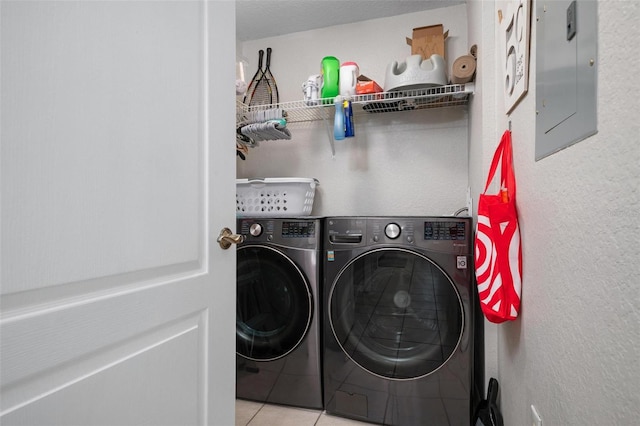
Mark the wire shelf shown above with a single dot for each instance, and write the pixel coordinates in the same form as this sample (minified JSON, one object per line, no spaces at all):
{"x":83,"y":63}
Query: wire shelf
{"x":383,"y":102}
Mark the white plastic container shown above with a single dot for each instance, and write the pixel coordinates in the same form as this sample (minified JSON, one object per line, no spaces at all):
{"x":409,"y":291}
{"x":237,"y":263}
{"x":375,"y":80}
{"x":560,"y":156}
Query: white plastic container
{"x":416,"y":73}
{"x":349,"y":73}
{"x":275,"y":197}
{"x":311,"y":89}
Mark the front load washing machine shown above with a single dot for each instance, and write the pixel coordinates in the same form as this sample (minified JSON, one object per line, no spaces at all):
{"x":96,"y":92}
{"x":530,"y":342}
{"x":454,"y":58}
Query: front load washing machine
{"x":398,"y":322}
{"x":278,"y":311}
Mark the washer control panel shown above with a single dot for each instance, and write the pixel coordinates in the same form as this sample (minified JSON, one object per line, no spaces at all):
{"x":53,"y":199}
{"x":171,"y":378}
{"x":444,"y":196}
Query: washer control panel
{"x":441,"y":233}
{"x":445,"y":230}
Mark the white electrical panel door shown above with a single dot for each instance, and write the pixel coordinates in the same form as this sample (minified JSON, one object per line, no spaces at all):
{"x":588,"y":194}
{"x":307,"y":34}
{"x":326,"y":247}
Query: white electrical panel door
{"x":566,"y":75}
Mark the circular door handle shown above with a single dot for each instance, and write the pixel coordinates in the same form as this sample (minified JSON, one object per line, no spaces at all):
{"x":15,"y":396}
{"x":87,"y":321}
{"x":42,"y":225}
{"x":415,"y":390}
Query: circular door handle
{"x":227,"y":238}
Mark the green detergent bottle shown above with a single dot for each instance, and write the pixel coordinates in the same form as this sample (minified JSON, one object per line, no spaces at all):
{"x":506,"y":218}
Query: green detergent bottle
{"x":330,"y":78}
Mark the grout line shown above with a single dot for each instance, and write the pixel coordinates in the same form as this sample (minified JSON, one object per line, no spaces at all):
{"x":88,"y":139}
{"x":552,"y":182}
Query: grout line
{"x":255,"y":414}
{"x":318,"y":419}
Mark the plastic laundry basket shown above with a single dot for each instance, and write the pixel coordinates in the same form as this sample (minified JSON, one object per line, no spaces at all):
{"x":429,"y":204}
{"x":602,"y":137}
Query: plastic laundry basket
{"x":275,"y":197}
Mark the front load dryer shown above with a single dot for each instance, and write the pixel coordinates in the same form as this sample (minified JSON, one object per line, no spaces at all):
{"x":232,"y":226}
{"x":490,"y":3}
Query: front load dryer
{"x":398,"y":322}
{"x":278,"y":311}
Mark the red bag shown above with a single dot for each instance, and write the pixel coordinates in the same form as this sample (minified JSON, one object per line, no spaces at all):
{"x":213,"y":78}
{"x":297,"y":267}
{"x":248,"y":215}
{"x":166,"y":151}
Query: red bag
{"x":498,"y":253}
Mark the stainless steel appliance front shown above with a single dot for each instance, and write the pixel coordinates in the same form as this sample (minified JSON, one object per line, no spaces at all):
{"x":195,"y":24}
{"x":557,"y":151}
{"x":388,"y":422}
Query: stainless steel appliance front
{"x":277,"y":315}
{"x":398,"y":323}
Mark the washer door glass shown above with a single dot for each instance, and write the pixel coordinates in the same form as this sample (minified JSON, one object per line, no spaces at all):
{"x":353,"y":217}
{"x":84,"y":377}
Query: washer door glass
{"x":396,"y":313}
{"x":274,"y":306}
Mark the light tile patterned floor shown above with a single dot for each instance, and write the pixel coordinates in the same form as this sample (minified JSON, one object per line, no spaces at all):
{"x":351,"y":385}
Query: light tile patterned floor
{"x":249,"y":413}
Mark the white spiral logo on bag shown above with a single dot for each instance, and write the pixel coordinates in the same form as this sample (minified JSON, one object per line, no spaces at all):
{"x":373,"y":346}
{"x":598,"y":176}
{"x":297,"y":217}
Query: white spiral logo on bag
{"x":484,"y":249}
{"x":489,"y":277}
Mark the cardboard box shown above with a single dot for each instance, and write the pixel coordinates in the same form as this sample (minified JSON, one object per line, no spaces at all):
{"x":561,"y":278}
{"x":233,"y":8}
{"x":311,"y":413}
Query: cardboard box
{"x":427,"y":41}
{"x":365,"y":85}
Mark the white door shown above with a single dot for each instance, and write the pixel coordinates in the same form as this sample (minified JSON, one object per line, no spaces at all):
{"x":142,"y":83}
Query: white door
{"x":118,"y":163}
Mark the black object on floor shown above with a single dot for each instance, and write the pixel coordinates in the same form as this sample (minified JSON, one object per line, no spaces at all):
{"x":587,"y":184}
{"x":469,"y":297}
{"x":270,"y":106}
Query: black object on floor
{"x":488,"y":413}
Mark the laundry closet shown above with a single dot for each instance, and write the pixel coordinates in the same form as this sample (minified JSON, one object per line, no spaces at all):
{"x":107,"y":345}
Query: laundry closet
{"x":422,"y":162}
{"x":413,"y":162}
{"x":384,"y":209}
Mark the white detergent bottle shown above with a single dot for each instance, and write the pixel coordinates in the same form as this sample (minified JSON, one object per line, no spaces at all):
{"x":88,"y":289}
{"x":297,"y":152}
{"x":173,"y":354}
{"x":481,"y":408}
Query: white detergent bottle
{"x":349,"y":73}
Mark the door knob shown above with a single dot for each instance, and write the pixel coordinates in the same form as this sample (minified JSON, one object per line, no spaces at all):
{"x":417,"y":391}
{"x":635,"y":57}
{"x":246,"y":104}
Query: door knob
{"x":226,"y":238}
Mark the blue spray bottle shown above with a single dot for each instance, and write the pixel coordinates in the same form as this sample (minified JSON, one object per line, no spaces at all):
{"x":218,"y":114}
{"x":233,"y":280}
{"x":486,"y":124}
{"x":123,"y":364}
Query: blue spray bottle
{"x":338,"y":120}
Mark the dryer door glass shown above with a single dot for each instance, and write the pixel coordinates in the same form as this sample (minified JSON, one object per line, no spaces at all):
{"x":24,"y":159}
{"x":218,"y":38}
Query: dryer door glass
{"x":396,"y":313}
{"x":274,"y":305}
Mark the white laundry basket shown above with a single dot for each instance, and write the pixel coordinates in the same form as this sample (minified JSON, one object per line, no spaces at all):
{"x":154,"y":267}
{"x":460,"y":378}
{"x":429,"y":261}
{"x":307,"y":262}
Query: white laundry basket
{"x":275,"y":197}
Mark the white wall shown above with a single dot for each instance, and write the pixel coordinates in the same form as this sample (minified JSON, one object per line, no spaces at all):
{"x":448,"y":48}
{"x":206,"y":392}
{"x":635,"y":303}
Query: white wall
{"x":574,"y":351}
{"x":411,"y":163}
{"x":483,"y":133}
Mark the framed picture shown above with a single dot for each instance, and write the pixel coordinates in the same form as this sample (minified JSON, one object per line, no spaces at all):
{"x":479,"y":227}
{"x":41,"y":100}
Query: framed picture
{"x":515,"y":28}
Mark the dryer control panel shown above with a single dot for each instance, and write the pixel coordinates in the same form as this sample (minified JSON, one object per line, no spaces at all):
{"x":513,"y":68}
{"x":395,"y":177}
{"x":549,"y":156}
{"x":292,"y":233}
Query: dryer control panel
{"x":298,"y":229}
{"x":295,"y":233}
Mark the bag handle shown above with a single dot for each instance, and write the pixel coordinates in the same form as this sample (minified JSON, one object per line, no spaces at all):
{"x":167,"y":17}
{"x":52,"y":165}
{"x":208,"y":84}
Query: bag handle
{"x":508,"y":178}
{"x":504,"y":155}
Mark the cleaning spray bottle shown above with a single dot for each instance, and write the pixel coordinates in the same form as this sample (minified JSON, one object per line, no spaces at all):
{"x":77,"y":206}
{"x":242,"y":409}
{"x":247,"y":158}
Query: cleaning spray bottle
{"x":339,"y":119}
{"x":349,"y":130}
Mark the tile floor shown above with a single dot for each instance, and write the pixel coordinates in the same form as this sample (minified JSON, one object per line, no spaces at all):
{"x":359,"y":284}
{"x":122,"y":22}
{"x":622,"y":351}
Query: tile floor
{"x":249,"y":413}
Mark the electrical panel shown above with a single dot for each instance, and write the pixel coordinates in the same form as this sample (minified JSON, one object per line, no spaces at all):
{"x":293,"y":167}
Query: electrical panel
{"x":566,"y":74}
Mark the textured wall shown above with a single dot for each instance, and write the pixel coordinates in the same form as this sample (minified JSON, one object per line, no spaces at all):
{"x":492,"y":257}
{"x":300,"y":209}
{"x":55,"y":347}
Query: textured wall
{"x":574,"y":351}
{"x":411,"y":163}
